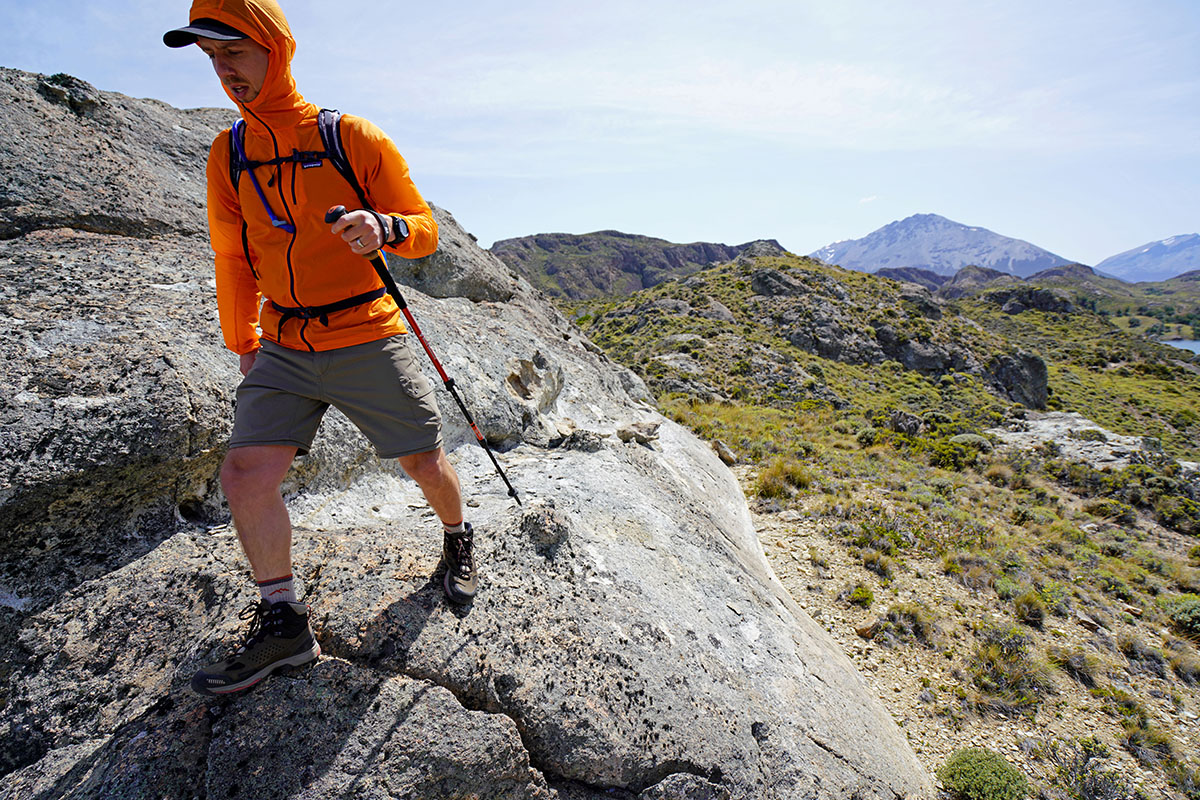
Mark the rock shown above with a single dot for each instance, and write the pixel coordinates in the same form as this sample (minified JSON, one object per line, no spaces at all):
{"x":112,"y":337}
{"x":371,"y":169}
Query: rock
{"x":906,"y":423}
{"x":868,"y":629}
{"x":629,"y":636}
{"x":459,"y":268}
{"x":725,"y":453}
{"x":640,"y":432}
{"x":1022,"y":376}
{"x":100,"y":161}
{"x":772,"y":282}
{"x":1016,"y":299}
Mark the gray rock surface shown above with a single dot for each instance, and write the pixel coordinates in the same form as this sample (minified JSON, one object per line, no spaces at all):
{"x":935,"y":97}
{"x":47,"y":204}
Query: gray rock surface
{"x":629,"y":640}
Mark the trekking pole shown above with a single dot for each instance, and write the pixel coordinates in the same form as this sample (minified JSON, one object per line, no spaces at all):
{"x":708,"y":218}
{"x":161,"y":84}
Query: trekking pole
{"x":377,"y":261}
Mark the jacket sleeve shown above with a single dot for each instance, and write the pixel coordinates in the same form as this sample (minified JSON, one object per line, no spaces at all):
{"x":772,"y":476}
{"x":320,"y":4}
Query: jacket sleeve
{"x":384,"y":176}
{"x":237,"y":291}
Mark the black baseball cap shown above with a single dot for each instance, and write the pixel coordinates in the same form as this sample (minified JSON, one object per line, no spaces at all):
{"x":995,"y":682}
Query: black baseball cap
{"x":208,"y":28}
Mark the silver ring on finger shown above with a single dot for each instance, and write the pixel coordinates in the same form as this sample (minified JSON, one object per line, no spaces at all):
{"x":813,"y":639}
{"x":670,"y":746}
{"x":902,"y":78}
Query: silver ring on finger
{"x":359,"y":242}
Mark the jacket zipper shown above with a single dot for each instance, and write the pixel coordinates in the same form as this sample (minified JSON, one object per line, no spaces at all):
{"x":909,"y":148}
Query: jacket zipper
{"x":287,"y":210}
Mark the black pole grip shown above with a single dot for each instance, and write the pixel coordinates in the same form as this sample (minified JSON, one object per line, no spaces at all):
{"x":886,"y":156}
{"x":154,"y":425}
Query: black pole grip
{"x":334,"y":214}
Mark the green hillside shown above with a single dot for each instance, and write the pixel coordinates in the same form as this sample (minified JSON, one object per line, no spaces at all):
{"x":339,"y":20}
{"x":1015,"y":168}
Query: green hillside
{"x":1045,"y":606}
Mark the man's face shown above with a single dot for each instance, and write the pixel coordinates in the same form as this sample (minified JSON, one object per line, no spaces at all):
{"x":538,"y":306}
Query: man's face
{"x":241,"y":65}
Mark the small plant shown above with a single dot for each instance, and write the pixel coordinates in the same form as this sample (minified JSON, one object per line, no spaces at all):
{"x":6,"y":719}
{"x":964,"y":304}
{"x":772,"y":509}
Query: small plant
{"x":1142,"y":658}
{"x":907,"y":622}
{"x":880,"y":564}
{"x":1030,"y":609}
{"x":861,"y":596}
{"x":1008,"y":680}
{"x":1077,"y":663}
{"x":1007,"y":588}
{"x":1184,"y":611}
{"x":974,"y":773}
{"x":1083,"y":773}
{"x":998,"y":474}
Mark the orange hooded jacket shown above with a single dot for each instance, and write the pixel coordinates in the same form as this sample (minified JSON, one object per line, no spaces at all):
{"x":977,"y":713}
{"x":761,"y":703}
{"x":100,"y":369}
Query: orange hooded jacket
{"x":311,"y":267}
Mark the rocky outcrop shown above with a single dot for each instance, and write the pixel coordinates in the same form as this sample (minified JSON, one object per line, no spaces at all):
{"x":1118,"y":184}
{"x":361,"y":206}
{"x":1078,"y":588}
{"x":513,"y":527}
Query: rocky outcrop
{"x":1017,"y":299}
{"x":1023,"y":376}
{"x":971,"y":280}
{"x":629,"y":640}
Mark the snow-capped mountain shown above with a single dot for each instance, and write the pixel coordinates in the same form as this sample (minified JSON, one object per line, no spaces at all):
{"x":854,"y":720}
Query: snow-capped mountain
{"x":1156,"y":261}
{"x":932,"y":242}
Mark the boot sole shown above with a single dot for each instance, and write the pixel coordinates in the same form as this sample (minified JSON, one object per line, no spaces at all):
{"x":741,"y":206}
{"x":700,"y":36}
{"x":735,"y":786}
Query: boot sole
{"x":282,"y":665}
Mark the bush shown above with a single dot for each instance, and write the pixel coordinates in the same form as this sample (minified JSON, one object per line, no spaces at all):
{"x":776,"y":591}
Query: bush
{"x":1184,"y":611}
{"x":1081,"y":771}
{"x":1030,"y":609}
{"x":975,"y":773}
{"x":1107,"y":508}
{"x":862,"y":596}
{"x":1077,"y":663}
{"x":1008,"y":680}
{"x":781,"y":479}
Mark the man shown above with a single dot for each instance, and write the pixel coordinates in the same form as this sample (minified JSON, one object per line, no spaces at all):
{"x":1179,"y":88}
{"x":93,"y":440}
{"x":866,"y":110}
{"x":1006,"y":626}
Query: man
{"x":308,"y":317}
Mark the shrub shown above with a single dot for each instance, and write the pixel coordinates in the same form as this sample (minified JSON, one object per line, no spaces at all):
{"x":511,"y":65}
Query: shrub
{"x":1178,"y":512}
{"x":1008,"y":680}
{"x":1081,"y":771}
{"x":1056,"y":596}
{"x":1007,"y":588}
{"x":1107,"y":508}
{"x":998,"y":474}
{"x":907,"y":622}
{"x":1030,"y":609}
{"x":1184,"y":611}
{"x":1079,"y":664}
{"x":1194,"y":554}
{"x":974,"y":773}
{"x":862,"y":596}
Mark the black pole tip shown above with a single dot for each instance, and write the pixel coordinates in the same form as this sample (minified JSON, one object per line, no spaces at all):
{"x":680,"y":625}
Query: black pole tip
{"x":334,"y":214}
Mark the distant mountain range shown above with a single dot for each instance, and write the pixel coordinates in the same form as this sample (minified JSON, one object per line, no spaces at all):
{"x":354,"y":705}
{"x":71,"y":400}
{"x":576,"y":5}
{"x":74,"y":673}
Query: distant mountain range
{"x":940,"y":245}
{"x":611,"y":263}
{"x":1155,"y":261}
{"x":925,"y":249}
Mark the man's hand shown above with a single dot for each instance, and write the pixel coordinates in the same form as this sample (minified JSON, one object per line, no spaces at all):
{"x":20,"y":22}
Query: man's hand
{"x":247,"y":361}
{"x":359,"y":229}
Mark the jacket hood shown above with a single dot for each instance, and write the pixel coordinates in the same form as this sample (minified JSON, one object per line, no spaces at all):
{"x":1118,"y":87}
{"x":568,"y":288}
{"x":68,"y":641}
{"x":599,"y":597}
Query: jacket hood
{"x":264,"y":22}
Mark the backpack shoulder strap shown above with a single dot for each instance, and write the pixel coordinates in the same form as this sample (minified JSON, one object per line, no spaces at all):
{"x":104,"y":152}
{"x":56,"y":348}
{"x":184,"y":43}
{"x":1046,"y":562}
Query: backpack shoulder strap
{"x":237,"y":165}
{"x":329,"y":124}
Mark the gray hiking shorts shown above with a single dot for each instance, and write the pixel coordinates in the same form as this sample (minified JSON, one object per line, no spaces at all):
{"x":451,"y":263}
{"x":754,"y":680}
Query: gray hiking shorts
{"x":377,"y":385}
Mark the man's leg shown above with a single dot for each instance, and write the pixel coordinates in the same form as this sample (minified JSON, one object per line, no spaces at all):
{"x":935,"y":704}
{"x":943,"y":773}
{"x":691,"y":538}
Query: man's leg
{"x":438,"y":480}
{"x":251,"y":477}
{"x":280,"y":636}
{"x":434,"y":474}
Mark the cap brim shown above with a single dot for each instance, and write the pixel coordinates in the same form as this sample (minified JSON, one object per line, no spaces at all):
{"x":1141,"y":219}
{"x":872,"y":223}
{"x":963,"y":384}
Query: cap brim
{"x":208,"y":29}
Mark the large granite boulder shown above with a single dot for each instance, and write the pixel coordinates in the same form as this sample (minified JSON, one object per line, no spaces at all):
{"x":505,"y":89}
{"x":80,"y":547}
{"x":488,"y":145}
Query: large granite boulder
{"x":629,"y":640}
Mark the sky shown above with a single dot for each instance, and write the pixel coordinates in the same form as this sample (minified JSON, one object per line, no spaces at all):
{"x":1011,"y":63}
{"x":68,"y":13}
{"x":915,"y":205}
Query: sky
{"x":1071,"y":125}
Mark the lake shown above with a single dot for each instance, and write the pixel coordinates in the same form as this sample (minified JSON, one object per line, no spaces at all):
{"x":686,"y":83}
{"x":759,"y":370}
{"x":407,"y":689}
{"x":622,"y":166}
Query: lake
{"x":1186,"y":344}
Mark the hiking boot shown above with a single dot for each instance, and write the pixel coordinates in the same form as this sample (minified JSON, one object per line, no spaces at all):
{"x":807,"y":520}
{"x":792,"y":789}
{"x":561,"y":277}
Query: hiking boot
{"x":461,"y":579}
{"x":279,"y":639}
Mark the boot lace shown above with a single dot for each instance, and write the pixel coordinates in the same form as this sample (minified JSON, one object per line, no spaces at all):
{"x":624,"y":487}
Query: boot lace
{"x":462,"y":554}
{"x":258,"y":614}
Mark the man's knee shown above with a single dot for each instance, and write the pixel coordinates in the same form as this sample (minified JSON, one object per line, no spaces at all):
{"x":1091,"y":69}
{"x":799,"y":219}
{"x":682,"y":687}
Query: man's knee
{"x":250,"y":471}
{"x":430,"y":467}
